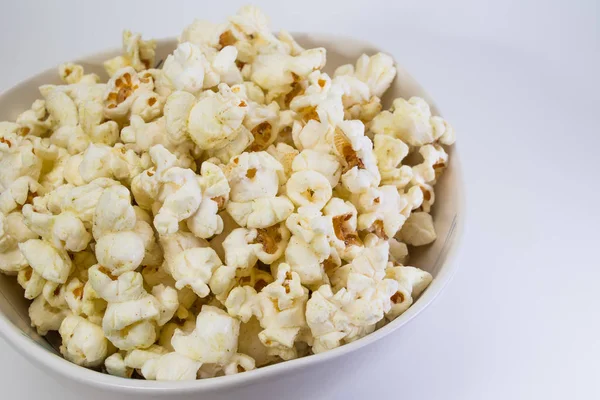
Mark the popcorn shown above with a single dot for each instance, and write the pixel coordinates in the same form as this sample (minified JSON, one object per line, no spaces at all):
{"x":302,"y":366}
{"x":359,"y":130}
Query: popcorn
{"x":326,"y":319}
{"x":286,"y":288}
{"x":282,"y":313}
{"x":320,"y":102}
{"x":80,"y":200}
{"x":215,"y":119}
{"x":286,"y":155}
{"x":273,"y":242}
{"x":262,"y":212}
{"x":206,"y":222}
{"x":44,"y":317}
{"x":177,"y":191}
{"x":140,"y":53}
{"x":254,"y":277}
{"x":242,"y":141}
{"x":263,"y":123}
{"x":434,"y":163}
{"x":254,"y":93}
{"x":239,"y":363}
{"x":168,"y":330}
{"x":62,"y":109}
{"x":181,"y":197}
{"x":83,"y":300}
{"x":323,"y":163}
{"x":17,"y":194}
{"x":36,"y":121}
{"x":241,"y":249}
{"x":54,"y":295}
{"x":344,"y":220}
{"x":222,"y":281}
{"x":222,"y":213}
{"x":74,"y":139}
{"x":136,"y":358}
{"x":418,"y":229}
{"x":32,"y":282}
{"x":177,"y":110}
{"x":251,"y":21}
{"x":194,"y":268}
{"x":377,"y":72}
{"x":411,"y":283}
{"x":53,"y":177}
{"x":176,"y":243}
{"x":381,"y":211}
{"x":243,"y":303}
{"x":344,"y":316}
{"x":49,"y":262}
{"x":202,"y":33}
{"x":224,"y":64}
{"x":83,"y":342}
{"x":148,"y":106}
{"x":70,"y":72}
{"x":275,"y":71}
{"x":127,"y":286}
{"x":121,"y":91}
{"x":101,"y":161}
{"x":309,"y":246}
{"x":132,"y":332}
{"x":17,"y":160}
{"x":293,"y":47}
{"x":253,"y":175}
{"x":137,"y":53}
{"x":171,"y":367}
{"x":398,"y":251}
{"x":13,"y":230}
{"x":363,"y":298}
{"x":62,"y":230}
{"x":114,"y":212}
{"x":360,"y":166}
{"x":185,"y":68}
{"x":370,"y":262}
{"x":357,"y":99}
{"x":168,"y":301}
{"x":115,"y":366}
{"x":422,"y":195}
{"x":132,"y":314}
{"x":213,"y":341}
{"x":118,"y":247}
{"x":308,"y":189}
{"x":390,"y":152}
{"x":412,"y":122}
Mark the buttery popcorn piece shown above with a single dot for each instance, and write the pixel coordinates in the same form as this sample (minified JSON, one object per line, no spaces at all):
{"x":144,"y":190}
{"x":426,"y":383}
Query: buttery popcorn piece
{"x":411,"y":283}
{"x":213,"y":341}
{"x":83,"y":342}
{"x":418,"y":230}
{"x":412,"y":122}
{"x":171,"y":367}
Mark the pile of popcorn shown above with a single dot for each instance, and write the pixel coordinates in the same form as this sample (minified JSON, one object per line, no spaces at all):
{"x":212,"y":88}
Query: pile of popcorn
{"x":235,"y":208}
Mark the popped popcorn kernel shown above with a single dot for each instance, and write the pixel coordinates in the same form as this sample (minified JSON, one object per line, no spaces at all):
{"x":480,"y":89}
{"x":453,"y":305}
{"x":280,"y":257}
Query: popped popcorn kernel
{"x":345,"y":233}
{"x":268,"y":238}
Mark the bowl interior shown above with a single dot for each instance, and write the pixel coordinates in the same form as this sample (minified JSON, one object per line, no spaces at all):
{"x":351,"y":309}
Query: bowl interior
{"x":340,"y":50}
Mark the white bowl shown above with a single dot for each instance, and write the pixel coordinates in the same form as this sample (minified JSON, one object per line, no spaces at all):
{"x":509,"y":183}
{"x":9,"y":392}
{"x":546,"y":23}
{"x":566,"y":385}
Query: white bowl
{"x":448,"y":213}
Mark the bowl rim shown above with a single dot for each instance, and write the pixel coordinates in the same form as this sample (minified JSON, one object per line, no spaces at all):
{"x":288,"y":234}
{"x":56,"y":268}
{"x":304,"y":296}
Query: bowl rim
{"x":44,"y":359}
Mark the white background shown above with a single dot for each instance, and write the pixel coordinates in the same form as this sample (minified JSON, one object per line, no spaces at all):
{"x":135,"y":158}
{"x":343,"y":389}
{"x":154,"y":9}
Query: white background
{"x":519,"y":81}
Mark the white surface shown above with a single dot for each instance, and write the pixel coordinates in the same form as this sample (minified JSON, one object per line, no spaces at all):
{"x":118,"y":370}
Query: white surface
{"x":518,"y":81}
